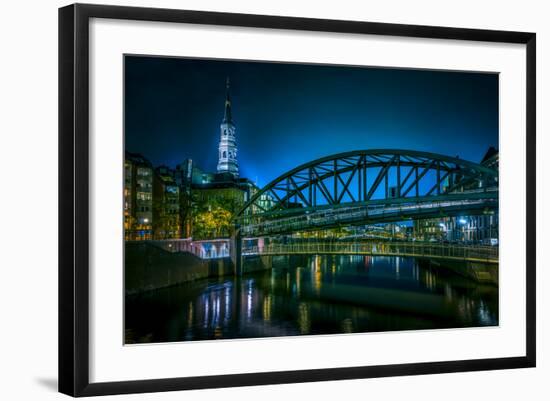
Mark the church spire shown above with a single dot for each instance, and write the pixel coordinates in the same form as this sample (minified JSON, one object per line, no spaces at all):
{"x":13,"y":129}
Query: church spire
{"x":227,"y":114}
{"x":227,"y":149}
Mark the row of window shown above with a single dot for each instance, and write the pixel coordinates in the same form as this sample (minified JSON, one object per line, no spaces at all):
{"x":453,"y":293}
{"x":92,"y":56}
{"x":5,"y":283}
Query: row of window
{"x":143,"y":172}
{"x":144,"y":196}
{"x":232,"y":155}
{"x":144,"y":184}
{"x":226,"y":132}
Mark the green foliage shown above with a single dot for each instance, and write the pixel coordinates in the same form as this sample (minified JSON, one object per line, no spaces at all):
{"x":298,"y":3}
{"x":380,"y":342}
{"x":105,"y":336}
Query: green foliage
{"x":215,"y":219}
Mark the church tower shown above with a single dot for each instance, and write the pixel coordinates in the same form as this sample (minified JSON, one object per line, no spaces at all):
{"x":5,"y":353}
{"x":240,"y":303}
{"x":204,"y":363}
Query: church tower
{"x":227,"y":159}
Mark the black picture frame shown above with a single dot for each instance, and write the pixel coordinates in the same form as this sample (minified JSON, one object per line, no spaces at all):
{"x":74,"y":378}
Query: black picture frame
{"x":74,"y":198}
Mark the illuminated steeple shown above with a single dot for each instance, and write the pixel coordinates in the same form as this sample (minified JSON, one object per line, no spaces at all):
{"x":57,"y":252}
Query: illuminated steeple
{"x":227,"y":158}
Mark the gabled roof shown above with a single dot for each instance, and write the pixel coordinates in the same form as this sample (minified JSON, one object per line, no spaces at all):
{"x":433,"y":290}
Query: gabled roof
{"x":491,"y":152}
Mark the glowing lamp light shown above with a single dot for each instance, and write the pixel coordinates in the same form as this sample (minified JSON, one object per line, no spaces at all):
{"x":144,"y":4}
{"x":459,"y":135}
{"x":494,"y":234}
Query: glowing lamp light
{"x":462,"y":221}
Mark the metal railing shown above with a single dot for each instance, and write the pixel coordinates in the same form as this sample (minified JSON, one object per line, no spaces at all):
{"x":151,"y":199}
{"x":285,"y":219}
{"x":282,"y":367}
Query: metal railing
{"x":485,"y":254}
{"x":220,"y":248}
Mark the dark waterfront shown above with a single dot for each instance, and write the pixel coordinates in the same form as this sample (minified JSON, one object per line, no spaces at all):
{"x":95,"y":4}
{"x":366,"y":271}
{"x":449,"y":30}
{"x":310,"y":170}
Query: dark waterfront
{"x":317,"y":295}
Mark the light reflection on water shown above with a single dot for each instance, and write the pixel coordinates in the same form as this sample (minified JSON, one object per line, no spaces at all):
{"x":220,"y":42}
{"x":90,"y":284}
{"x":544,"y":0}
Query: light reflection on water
{"x":316,"y":295}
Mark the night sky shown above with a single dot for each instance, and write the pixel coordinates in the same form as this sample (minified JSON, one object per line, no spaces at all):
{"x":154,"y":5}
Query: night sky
{"x":289,"y":114}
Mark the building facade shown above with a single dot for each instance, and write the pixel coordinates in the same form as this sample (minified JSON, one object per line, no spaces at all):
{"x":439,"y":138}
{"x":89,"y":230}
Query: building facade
{"x":138,"y":197}
{"x":166,"y":205}
{"x":183,"y":175}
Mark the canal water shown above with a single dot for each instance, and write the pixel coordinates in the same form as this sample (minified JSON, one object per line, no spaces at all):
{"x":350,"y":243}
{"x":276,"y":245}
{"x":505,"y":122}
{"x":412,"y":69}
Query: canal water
{"x":313,"y":295}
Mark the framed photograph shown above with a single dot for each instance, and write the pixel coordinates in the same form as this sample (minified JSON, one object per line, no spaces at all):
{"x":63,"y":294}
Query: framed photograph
{"x":249,"y":199}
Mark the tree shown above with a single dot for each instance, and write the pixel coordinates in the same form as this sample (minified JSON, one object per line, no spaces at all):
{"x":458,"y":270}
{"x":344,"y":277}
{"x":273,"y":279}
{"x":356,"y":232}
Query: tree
{"x":214,"y":219}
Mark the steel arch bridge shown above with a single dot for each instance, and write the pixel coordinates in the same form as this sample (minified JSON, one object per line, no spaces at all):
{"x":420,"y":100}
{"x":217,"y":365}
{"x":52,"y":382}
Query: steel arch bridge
{"x":369,"y":186}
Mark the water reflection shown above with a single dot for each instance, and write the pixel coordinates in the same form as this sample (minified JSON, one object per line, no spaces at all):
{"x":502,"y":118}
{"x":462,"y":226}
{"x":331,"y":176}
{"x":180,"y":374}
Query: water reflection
{"x":316,"y":295}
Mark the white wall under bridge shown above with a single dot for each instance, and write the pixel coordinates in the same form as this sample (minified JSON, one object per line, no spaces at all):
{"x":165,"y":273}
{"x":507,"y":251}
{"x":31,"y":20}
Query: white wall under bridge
{"x":204,"y":249}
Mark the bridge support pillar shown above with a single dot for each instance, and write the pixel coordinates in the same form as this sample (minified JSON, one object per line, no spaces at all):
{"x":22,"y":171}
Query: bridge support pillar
{"x":237,"y":254}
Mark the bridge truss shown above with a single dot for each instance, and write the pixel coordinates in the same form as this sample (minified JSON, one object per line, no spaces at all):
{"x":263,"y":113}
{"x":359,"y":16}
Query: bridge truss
{"x":369,"y":186}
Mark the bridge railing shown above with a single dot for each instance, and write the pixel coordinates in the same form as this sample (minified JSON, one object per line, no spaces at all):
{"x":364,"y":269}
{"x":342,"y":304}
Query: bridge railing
{"x":440,"y":251}
{"x":219,"y":248}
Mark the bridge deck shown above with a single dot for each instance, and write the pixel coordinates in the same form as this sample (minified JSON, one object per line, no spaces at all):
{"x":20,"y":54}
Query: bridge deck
{"x":368,"y":214}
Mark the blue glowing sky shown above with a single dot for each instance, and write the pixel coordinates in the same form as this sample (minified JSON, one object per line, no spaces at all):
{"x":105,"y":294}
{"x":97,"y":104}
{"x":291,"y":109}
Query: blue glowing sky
{"x":289,"y":114}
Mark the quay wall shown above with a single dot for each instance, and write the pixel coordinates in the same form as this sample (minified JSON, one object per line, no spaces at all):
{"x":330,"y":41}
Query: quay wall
{"x":148,"y":267}
{"x":486,"y":273}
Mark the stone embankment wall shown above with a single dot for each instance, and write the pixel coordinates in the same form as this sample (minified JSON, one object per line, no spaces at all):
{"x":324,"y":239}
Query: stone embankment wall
{"x":148,"y":267}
